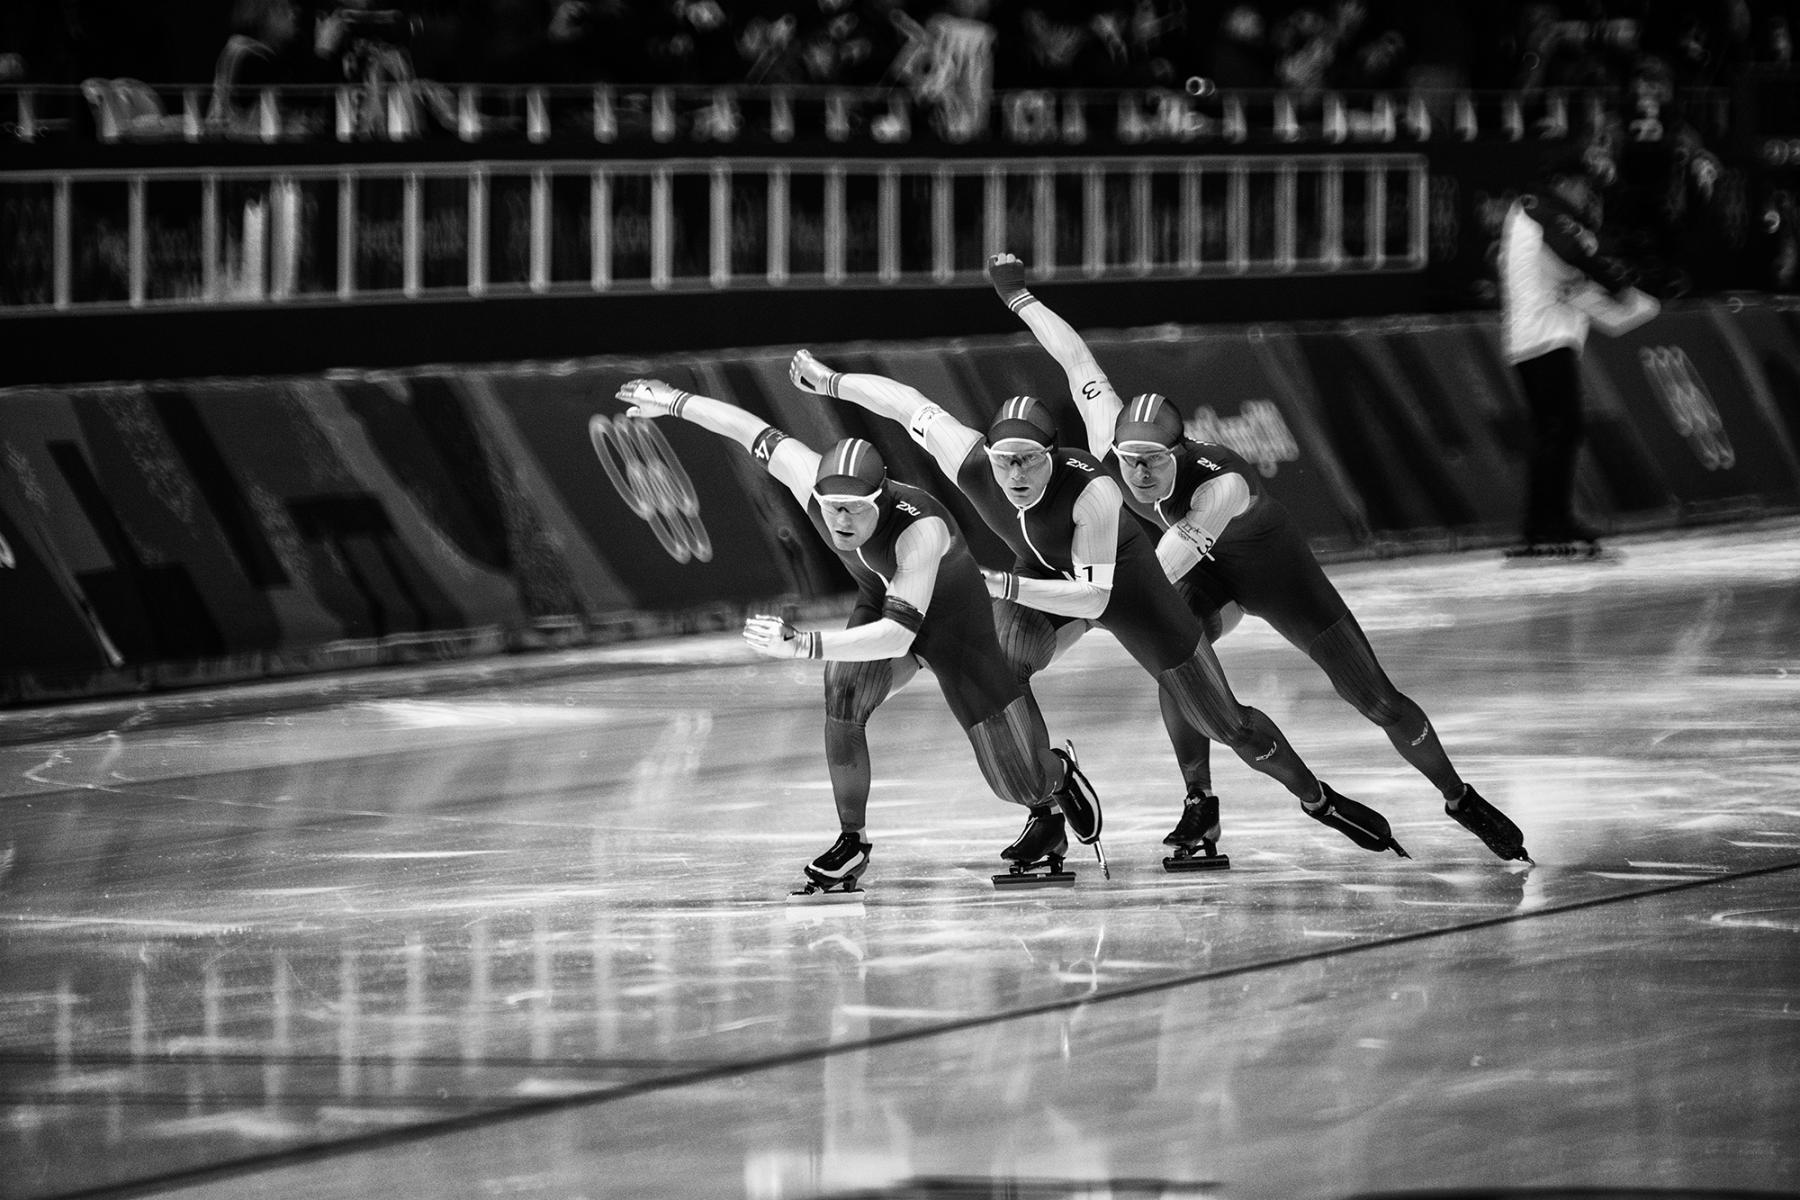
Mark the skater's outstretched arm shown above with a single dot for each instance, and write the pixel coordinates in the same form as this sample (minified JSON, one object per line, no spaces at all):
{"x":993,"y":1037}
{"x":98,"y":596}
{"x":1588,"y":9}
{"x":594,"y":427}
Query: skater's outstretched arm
{"x":1093,"y":393}
{"x":946,"y":439}
{"x":790,"y":460}
{"x":918,"y":550}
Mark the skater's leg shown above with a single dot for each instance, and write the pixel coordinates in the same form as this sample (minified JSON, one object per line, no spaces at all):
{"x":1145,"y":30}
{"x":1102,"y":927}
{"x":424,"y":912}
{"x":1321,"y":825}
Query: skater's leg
{"x":1199,"y":688}
{"x":1193,"y":749}
{"x":1015,"y":758}
{"x":853,"y":690}
{"x":1344,"y":653}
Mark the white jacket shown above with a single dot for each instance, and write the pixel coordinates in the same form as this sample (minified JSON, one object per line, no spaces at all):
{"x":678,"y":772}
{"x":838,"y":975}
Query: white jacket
{"x":1549,"y":265}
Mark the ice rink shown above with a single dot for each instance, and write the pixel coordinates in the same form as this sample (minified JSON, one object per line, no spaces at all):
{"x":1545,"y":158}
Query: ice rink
{"x":517,"y":928}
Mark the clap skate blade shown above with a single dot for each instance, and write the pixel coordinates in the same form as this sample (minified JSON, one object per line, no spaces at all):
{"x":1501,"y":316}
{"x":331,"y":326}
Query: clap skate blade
{"x":844,"y":892}
{"x":1027,"y":875}
{"x":1199,"y":856}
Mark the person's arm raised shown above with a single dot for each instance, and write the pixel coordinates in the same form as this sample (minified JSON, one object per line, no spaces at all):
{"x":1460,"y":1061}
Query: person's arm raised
{"x":1091,"y":390}
{"x":942,"y":436}
{"x":788,"y":459}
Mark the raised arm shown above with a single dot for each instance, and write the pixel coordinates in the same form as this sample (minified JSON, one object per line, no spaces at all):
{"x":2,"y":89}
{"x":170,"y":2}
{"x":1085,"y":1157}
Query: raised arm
{"x":1093,"y":393}
{"x":791,"y":461}
{"x":946,"y":439}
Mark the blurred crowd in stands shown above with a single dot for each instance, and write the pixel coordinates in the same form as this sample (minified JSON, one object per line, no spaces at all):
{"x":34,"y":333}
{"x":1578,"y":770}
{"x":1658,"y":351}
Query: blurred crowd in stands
{"x":1325,"y":44}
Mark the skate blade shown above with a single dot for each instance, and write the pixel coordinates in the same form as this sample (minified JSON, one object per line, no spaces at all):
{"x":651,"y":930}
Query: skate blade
{"x":809,"y":896}
{"x":1034,"y":879}
{"x":1197,"y":862}
{"x":1560,"y":558}
{"x":1397,"y":848}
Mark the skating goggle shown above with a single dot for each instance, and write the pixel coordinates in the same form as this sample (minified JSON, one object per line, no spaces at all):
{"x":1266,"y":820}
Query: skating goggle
{"x":856,"y":506}
{"x":1155,"y":459}
{"x":1027,"y":460}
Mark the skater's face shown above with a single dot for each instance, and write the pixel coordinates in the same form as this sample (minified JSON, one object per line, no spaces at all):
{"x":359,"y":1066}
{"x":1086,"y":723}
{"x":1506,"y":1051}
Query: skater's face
{"x":1148,"y":470}
{"x":1022,"y":469}
{"x":851,"y":519}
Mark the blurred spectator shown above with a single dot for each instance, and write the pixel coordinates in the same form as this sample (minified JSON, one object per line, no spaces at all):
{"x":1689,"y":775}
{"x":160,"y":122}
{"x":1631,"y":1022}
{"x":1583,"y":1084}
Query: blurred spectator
{"x":370,"y":47}
{"x":1308,"y":42}
{"x":596,"y":41}
{"x":255,"y":57}
{"x":1241,"y":56}
{"x":690,"y":41}
{"x":845,"y":42}
{"x":949,"y":64}
{"x":38,"y":39}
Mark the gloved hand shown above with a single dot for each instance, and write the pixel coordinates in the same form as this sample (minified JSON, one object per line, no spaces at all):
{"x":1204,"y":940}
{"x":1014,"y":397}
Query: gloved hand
{"x":773,"y":637}
{"x":810,"y":375}
{"x":651,"y":398}
{"x":1006,"y":273}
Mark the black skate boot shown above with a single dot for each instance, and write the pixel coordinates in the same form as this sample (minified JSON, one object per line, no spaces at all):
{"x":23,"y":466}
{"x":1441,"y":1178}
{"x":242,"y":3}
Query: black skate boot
{"x":1080,"y":805}
{"x":1358,"y":822}
{"x":1196,"y":837}
{"x":831,"y":877}
{"x":1037,"y":853}
{"x":1488,"y":823}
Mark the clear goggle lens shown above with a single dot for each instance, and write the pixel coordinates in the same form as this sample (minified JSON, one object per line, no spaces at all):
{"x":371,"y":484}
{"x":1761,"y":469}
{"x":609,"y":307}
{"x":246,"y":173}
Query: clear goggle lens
{"x":854,"y":505}
{"x":1029,"y":460}
{"x":1153,"y":459}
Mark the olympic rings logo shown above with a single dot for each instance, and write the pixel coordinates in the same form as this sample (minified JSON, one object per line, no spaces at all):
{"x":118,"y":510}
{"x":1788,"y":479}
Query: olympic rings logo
{"x":653,"y":483}
{"x":1690,"y":406}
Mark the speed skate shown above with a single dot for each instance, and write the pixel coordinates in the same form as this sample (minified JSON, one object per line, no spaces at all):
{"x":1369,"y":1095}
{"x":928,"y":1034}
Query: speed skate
{"x":1195,"y":837}
{"x":1035,"y":859}
{"x":1044,"y":872}
{"x":831,"y":877}
{"x":844,"y":892}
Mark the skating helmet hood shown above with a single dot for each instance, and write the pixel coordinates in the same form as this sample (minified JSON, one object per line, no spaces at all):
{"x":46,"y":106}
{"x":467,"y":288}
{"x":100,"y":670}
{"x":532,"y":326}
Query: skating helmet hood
{"x":853,"y":467}
{"x":1150,"y":421}
{"x":1023,"y":419}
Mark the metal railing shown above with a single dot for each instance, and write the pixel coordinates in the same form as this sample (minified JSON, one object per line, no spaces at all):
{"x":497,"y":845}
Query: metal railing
{"x":172,"y":237}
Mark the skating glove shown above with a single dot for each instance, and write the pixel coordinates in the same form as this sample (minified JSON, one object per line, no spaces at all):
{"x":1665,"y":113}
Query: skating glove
{"x":1007,"y":274}
{"x":773,"y":637}
{"x":810,"y":375}
{"x":652,"y":398}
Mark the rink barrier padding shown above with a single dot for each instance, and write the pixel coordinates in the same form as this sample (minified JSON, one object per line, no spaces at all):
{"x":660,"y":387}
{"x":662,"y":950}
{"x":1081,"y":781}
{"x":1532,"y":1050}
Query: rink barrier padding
{"x":156,"y":535}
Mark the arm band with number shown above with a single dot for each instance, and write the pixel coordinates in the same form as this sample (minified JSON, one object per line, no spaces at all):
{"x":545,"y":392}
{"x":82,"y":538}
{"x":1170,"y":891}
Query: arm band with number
{"x":763,"y":447}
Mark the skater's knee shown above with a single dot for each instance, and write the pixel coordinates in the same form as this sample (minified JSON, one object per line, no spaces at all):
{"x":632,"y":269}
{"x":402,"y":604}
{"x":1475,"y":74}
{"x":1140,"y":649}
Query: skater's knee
{"x":1027,"y":639}
{"x":1385,"y":707}
{"x":854,"y":690}
{"x":1344,"y":653}
{"x":1008,"y":759}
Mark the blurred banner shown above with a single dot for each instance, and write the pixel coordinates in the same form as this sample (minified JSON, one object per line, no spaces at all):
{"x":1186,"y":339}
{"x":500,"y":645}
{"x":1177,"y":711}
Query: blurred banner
{"x":156,"y":535}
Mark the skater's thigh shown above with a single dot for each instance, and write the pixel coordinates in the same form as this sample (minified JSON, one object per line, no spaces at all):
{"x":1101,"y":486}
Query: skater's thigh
{"x":962,"y":648}
{"x":1275,"y":577}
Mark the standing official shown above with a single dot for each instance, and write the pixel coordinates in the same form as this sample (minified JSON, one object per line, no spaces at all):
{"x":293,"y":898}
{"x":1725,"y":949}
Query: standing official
{"x":1554,"y":286}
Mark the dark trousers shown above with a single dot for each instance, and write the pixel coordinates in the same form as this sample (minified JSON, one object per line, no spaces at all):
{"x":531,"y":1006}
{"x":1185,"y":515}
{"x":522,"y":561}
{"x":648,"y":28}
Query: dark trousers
{"x":1552,"y":384}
